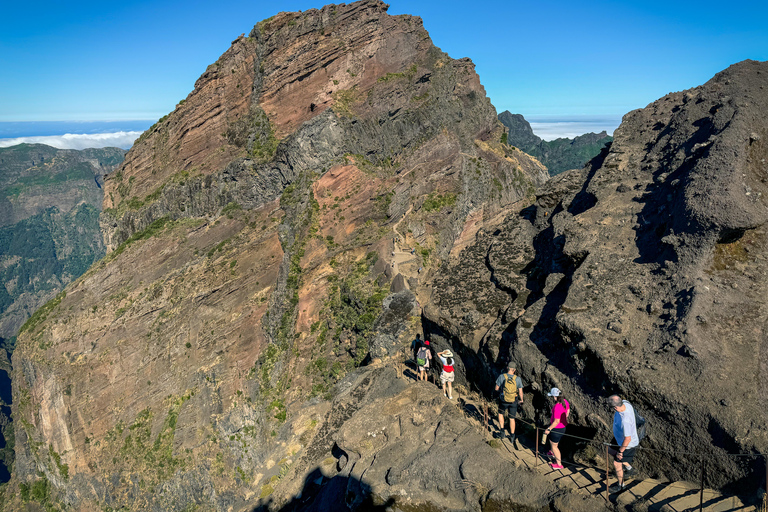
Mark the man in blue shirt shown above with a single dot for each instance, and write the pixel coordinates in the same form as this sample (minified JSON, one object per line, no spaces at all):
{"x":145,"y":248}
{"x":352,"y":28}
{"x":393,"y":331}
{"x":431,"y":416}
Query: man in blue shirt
{"x":510,"y":398}
{"x":625,"y":433}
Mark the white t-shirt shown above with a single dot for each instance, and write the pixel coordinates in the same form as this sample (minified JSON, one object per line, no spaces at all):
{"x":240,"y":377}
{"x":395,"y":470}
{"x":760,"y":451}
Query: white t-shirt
{"x":624,"y":425}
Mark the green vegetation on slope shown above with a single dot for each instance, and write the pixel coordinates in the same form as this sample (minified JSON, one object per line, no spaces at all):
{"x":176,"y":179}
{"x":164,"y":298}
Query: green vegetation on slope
{"x":47,"y":250}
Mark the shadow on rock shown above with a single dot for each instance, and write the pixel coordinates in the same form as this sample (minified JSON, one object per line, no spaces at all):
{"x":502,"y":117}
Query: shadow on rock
{"x":340,"y":493}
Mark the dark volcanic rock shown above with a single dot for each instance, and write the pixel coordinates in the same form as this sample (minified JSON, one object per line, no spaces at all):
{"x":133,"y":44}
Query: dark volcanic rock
{"x":642,"y":274}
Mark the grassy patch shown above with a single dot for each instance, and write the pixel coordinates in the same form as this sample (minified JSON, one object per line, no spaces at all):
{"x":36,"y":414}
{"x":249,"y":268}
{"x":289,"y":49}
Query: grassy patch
{"x":435,"y":202}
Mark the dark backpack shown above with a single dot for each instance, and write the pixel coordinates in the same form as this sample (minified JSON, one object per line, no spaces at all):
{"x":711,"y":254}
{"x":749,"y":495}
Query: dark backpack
{"x":639,"y":425}
{"x":421,"y":356}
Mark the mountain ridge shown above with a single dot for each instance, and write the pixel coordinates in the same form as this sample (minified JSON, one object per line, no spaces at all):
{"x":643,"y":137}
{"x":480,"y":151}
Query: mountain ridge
{"x":557,"y":155}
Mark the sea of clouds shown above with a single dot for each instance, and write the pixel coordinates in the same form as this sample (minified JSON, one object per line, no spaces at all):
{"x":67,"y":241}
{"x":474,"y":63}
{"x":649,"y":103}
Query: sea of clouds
{"x":551,"y":128}
{"x":119,"y":139}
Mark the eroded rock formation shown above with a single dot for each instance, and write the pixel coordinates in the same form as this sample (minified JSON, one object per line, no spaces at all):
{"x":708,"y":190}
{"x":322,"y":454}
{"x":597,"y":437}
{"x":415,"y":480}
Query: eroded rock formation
{"x":642,"y":274}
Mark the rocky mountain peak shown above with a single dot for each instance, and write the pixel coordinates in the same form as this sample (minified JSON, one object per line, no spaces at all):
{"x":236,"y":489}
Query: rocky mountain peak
{"x":268,"y":240}
{"x":298,"y":93}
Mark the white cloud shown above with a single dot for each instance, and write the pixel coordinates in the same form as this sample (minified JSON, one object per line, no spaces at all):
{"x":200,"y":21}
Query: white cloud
{"x":551,"y":130}
{"x":78,"y":141}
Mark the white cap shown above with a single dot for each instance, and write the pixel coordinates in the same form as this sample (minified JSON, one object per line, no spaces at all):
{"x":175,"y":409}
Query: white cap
{"x":554,"y":392}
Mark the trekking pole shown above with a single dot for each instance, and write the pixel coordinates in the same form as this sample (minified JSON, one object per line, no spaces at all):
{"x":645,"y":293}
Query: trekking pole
{"x":607,"y":501}
{"x":701,"y":493}
{"x":536,"y":442}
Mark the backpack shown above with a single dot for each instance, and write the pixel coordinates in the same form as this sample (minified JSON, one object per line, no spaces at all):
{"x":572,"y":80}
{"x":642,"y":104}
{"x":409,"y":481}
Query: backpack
{"x":421,"y":356}
{"x":510,"y":388}
{"x":639,"y":425}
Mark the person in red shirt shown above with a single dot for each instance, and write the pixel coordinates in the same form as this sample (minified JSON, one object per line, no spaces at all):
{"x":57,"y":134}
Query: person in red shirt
{"x":446,"y":376}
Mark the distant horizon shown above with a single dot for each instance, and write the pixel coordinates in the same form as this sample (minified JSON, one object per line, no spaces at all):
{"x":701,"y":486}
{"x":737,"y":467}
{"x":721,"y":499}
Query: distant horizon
{"x":566,"y":58}
{"x":123,"y":133}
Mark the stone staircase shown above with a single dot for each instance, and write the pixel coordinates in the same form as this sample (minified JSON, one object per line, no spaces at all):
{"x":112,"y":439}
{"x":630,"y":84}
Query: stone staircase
{"x":654,"y":494}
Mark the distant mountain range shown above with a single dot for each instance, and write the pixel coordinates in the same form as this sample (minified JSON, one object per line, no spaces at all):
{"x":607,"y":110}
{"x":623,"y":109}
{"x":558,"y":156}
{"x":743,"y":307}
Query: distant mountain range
{"x":558,"y":155}
{"x":50,"y":201}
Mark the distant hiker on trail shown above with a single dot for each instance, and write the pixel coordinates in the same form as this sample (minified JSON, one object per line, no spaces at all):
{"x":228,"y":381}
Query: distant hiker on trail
{"x":446,"y":376}
{"x":416,"y":345}
{"x":558,"y":422}
{"x":423,"y":356}
{"x":510,"y":398}
{"x":625,"y":433}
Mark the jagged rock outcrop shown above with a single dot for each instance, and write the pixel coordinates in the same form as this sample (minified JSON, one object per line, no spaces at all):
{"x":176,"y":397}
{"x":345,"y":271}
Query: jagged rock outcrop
{"x":251,"y":236}
{"x":642,"y":274}
{"x":557,"y":155}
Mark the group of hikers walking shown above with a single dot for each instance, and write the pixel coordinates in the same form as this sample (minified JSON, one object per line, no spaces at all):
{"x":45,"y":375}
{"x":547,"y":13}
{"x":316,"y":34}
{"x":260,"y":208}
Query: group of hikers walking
{"x":509,"y":388}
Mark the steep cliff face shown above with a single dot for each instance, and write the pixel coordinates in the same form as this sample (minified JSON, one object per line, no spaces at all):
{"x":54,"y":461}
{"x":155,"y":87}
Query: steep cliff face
{"x":251,"y":264}
{"x":643,"y":274}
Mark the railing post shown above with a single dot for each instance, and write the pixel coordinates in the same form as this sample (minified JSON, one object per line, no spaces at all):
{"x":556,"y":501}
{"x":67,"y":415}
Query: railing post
{"x":536,"y":442}
{"x":701,"y":493}
{"x":606,"y":474}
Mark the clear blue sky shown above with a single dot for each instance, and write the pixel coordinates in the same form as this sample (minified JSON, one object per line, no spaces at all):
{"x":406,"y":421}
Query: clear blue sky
{"x":84,"y":60}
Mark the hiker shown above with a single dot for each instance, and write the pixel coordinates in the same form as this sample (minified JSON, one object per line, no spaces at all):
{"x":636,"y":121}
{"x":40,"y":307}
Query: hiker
{"x":510,"y":398}
{"x":446,"y":376}
{"x":416,"y":345}
{"x":423,"y":356}
{"x":625,"y":433}
{"x":558,"y":422}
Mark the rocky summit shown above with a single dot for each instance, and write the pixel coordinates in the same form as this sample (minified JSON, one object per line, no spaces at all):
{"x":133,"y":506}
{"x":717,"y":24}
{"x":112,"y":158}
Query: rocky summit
{"x":336,"y":184}
{"x":642,"y":274}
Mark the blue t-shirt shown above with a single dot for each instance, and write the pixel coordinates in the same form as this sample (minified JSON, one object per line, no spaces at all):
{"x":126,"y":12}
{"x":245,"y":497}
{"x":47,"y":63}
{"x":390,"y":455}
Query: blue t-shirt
{"x":624,"y":426}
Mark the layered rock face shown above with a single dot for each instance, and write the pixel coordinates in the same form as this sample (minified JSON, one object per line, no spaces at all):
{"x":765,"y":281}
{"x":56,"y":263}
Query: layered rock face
{"x":261,"y":114}
{"x":643,"y":274}
{"x":251,"y":252}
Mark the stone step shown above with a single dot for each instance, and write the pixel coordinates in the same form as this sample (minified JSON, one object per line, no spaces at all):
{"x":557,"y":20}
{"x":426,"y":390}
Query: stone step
{"x":659,"y":496}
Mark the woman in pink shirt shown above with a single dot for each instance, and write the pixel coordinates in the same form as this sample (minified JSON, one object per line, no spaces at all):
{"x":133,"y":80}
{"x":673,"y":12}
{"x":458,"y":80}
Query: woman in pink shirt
{"x":556,"y":429}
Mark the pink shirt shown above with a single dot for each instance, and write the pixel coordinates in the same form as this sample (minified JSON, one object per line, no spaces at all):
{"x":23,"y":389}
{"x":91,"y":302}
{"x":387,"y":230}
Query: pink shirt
{"x":558,"y":412}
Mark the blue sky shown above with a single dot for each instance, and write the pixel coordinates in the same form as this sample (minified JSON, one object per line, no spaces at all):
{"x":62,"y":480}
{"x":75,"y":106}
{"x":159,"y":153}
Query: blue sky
{"x":85,"y":60}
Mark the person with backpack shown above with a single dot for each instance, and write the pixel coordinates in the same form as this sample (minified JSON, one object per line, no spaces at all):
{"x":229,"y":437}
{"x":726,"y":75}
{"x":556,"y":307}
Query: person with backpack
{"x":447,"y":375}
{"x":416,"y":345}
{"x":558,"y":422}
{"x":510,"y":398}
{"x":625,"y":433}
{"x":423,"y":356}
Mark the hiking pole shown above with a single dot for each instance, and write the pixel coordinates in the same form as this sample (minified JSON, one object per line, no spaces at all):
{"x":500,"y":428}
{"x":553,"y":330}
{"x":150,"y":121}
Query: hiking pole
{"x":607,"y":501}
{"x":536,"y":442}
{"x":701,"y":493}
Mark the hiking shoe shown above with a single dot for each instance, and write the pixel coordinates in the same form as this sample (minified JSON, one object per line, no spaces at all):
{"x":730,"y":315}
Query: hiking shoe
{"x":630,"y":472}
{"x":513,"y":440}
{"x":550,"y":454}
{"x":617,"y":487}
{"x":557,"y":466}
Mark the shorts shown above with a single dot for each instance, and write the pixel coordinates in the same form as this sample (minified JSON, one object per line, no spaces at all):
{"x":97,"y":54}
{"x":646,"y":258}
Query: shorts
{"x":446,"y":377}
{"x":510,"y":408}
{"x":424,"y":368}
{"x":628,"y":456}
{"x":556,"y":434}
